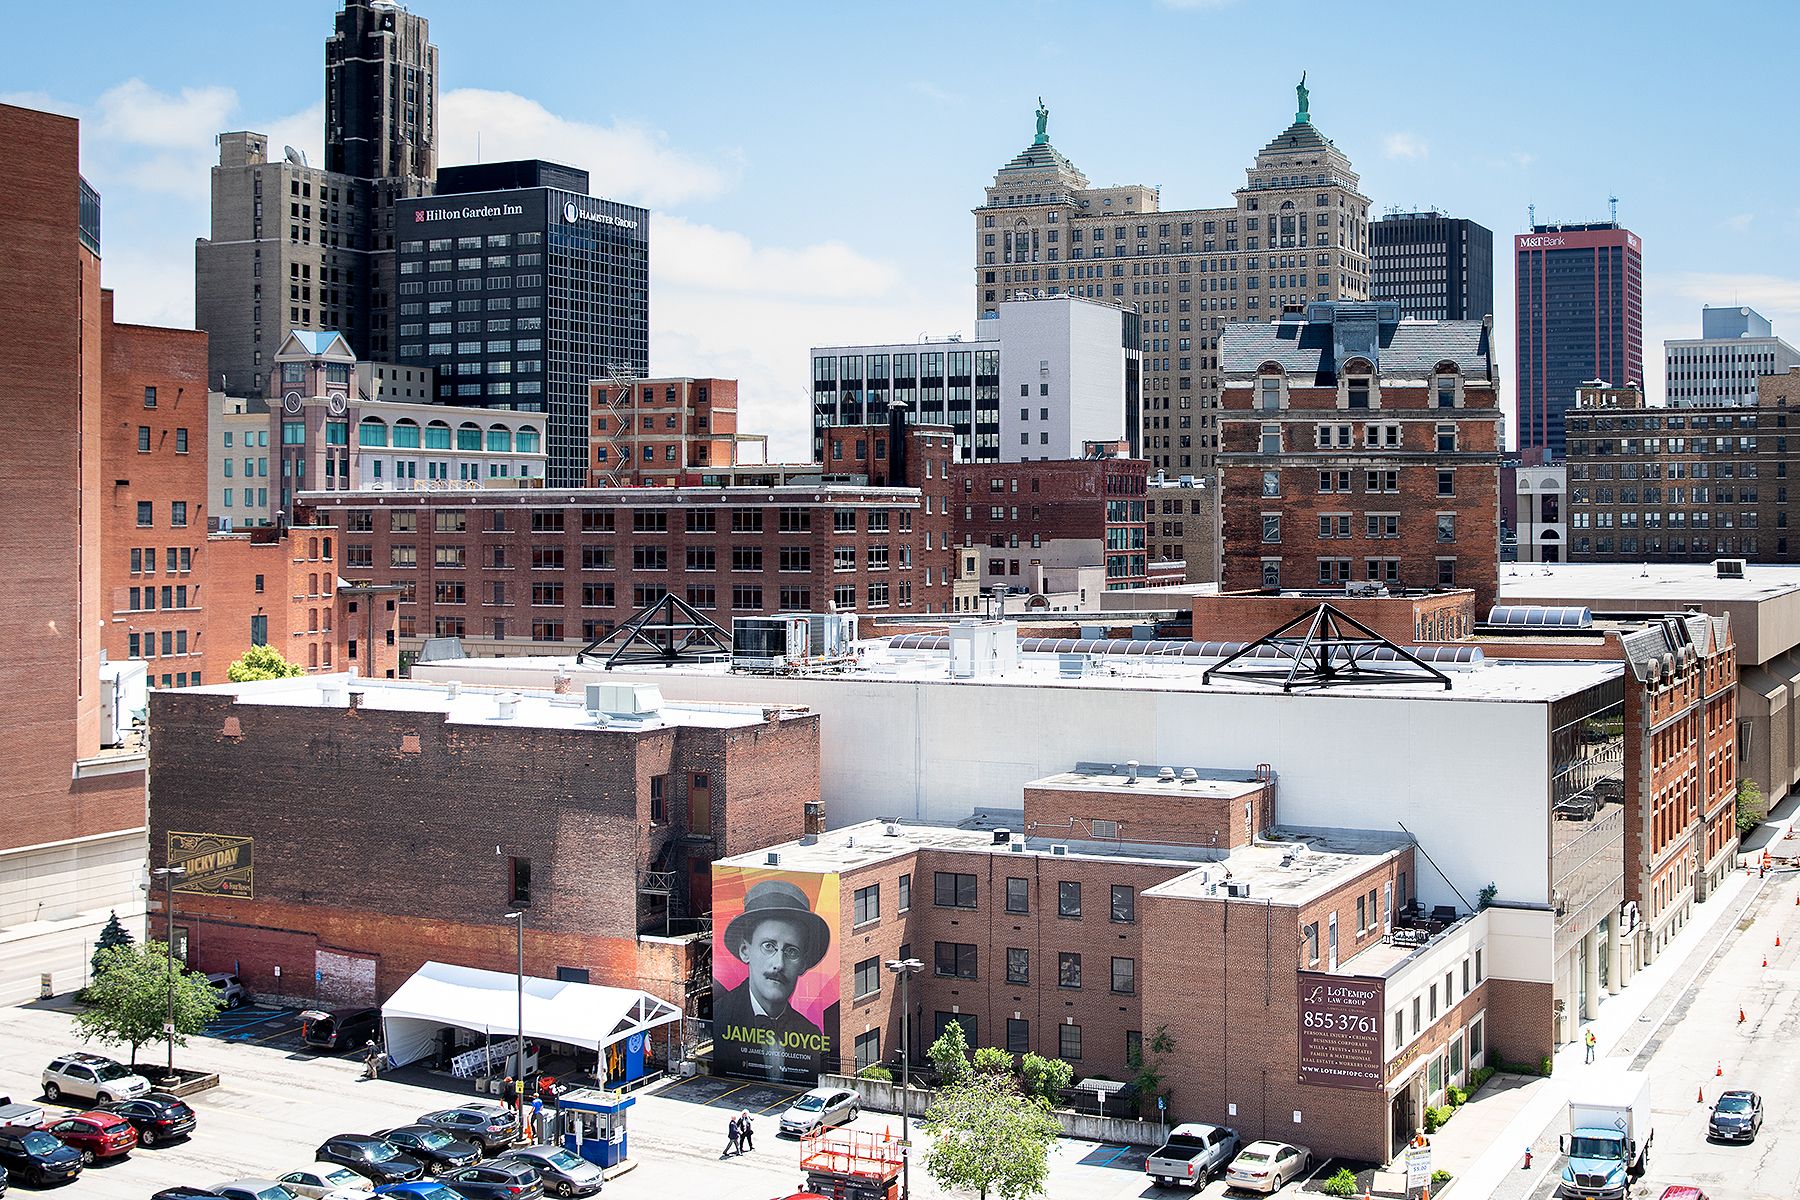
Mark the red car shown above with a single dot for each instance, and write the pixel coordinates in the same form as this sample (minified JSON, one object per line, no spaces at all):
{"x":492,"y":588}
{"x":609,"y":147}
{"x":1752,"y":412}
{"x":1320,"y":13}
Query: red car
{"x":96,"y":1134}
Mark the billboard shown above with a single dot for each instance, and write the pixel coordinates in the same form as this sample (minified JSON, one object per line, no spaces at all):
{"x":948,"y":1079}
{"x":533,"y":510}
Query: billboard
{"x":775,"y":974}
{"x":1340,"y":1030}
{"x":216,"y":864}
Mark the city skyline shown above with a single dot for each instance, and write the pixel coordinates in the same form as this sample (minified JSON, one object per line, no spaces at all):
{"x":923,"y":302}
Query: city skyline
{"x":832,"y":204}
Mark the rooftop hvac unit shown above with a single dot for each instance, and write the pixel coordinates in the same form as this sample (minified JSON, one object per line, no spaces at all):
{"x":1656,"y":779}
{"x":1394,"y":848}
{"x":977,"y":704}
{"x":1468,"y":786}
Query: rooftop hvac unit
{"x":1058,"y":850}
{"x":1072,"y":666}
{"x":1729,"y":568}
{"x":787,"y":641}
{"x":1238,"y":890}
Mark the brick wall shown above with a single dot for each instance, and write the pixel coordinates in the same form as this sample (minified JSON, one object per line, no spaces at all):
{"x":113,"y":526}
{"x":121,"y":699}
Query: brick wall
{"x":1053,"y":514}
{"x":1151,"y":812}
{"x":1407,"y":620}
{"x":1521,"y":1020}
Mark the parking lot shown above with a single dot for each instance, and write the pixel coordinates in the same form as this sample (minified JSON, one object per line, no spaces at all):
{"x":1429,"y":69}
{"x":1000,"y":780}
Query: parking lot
{"x":276,"y":1103}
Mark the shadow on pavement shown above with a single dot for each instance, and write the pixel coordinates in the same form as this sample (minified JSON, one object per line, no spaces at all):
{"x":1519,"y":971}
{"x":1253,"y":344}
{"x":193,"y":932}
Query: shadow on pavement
{"x":719,"y":1092}
{"x":1118,"y":1157}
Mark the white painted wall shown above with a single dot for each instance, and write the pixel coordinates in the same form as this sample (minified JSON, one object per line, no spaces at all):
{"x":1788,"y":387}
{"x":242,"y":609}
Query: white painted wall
{"x":1074,"y":347}
{"x":55,"y":899}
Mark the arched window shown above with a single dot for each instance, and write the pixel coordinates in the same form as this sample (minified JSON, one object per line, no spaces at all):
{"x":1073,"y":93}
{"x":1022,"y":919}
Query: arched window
{"x":1288,"y":221}
{"x":312,"y":584}
{"x":437,"y":436}
{"x":528,"y":441}
{"x":1359,"y":390}
{"x":499,"y":439}
{"x":372,"y":432}
{"x":468,"y":436}
{"x":312,"y":620}
{"x":1446,"y":385}
{"x":1271,"y":386}
{"x":312,"y":547}
{"x":406,"y":435}
{"x":327,"y":554}
{"x":312,"y":655}
{"x":325,"y":617}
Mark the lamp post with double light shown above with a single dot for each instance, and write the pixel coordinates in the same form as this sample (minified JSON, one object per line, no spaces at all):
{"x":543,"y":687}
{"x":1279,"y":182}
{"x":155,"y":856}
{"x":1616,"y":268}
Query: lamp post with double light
{"x":905,"y":968}
{"x":168,"y":875}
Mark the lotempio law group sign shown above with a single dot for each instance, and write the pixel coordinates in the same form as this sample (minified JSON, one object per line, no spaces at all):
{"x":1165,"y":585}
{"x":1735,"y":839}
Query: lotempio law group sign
{"x":213,"y":864}
{"x":1340,"y":1030}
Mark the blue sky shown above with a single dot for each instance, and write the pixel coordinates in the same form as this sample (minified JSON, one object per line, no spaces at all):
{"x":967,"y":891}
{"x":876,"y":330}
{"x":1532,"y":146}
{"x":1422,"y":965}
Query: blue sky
{"x":811,"y":166}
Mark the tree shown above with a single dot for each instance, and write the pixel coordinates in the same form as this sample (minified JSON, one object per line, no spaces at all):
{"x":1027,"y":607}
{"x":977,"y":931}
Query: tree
{"x":113,"y":934}
{"x":262,"y":662}
{"x":986,"y":1137}
{"x":1147,"y":1062}
{"x":991,"y":1060}
{"x":950,"y":1055}
{"x":129,"y":998}
{"x":1751,"y":808}
{"x":1045,"y":1078}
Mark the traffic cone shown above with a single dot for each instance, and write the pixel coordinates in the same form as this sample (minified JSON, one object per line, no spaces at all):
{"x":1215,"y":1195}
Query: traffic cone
{"x":1718,"y":1068}
{"x":1778,"y":941}
{"x":1700,"y":1095}
{"x":1740,"y":1016}
{"x":1765,"y":960}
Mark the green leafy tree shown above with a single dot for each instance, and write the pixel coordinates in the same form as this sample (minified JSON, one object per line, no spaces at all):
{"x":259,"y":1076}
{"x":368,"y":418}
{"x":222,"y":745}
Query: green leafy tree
{"x":1045,"y":1078}
{"x":991,"y":1060}
{"x":1147,"y":1067}
{"x":129,"y":998}
{"x":112,"y":934}
{"x":987,"y":1137}
{"x":262,"y":662}
{"x":1751,"y":808}
{"x":950,"y":1055}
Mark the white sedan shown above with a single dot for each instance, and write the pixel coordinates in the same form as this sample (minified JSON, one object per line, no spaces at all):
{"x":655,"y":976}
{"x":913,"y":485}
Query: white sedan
{"x":326,"y":1181}
{"x":1267,"y":1166}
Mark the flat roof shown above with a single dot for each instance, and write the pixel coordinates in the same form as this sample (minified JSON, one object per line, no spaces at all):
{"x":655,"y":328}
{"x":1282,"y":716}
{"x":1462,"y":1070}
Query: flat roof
{"x":1668,"y":584}
{"x":1288,"y":864}
{"x":1526,"y":681}
{"x":467,"y":705}
{"x":1209,"y":782}
{"x":543,"y":497}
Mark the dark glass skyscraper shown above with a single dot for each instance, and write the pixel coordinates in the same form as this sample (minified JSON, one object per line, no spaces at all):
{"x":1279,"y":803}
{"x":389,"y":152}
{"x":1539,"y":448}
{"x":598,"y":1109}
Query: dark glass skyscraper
{"x":1436,"y":268}
{"x":1580,"y":295}
{"x":519,"y":297}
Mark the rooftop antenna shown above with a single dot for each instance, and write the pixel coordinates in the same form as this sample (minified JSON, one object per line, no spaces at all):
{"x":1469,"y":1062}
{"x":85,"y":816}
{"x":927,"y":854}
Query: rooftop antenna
{"x":1612,"y":202}
{"x":1531,"y":215}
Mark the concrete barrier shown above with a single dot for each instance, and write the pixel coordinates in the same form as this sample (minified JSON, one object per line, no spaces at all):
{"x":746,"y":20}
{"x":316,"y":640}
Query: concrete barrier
{"x":880,"y":1096}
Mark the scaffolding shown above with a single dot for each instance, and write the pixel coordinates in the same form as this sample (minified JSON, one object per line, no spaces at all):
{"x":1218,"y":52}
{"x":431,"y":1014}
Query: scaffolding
{"x":845,"y":1164}
{"x":1327,"y":654}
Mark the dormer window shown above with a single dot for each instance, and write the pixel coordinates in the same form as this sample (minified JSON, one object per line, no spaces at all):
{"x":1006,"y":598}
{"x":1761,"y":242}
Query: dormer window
{"x":1269,"y":388}
{"x":1357,"y":391}
{"x":1445,"y":392}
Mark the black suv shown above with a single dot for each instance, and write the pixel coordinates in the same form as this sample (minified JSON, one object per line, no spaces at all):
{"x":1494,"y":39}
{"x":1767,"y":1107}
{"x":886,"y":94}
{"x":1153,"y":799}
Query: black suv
{"x":371,"y":1158}
{"x":158,"y":1117}
{"x":488,"y":1125}
{"x":35,"y":1155}
{"x":502,"y":1179}
{"x":437,"y":1149}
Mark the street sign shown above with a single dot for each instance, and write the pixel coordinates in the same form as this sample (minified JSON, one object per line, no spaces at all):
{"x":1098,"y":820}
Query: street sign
{"x":168,"y":1029}
{"x":1418,"y":1166}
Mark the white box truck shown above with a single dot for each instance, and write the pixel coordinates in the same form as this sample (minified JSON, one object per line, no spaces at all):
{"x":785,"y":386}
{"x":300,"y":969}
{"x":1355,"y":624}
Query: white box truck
{"x":1609,"y":1136}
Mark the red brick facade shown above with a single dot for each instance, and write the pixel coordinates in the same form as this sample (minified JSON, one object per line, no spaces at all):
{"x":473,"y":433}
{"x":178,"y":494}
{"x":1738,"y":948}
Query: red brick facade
{"x":1438,"y":617}
{"x":661,"y":431}
{"x":1076,"y":513}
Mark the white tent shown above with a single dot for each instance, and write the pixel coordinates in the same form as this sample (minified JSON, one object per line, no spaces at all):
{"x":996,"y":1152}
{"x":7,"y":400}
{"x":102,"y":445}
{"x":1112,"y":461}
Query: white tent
{"x":577,"y":1014}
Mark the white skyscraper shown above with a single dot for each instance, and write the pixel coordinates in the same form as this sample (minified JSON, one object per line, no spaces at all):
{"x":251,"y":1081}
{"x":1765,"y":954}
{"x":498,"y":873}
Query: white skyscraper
{"x":1736,"y":346}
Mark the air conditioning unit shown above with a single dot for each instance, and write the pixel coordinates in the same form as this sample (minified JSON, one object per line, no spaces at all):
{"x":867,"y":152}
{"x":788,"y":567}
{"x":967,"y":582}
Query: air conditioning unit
{"x":1238,"y":890}
{"x":788,"y":640}
{"x":1058,"y":850}
{"x":1728,"y":568}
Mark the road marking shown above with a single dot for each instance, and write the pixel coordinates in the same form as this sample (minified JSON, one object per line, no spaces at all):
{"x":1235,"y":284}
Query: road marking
{"x":1122,"y":1151}
{"x":781,"y":1103}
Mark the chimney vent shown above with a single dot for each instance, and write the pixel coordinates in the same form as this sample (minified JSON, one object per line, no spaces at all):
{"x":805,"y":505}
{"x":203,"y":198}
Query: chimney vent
{"x":507,"y":705}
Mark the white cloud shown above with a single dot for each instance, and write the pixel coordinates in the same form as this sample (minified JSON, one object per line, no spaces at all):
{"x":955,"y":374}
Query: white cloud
{"x":687,"y":254}
{"x":1404,"y":145}
{"x":1768,"y":294}
{"x":627,"y":162}
{"x":137,"y":114}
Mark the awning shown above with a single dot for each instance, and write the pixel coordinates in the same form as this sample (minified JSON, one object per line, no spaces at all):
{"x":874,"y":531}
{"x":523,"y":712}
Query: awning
{"x":576,"y":1014}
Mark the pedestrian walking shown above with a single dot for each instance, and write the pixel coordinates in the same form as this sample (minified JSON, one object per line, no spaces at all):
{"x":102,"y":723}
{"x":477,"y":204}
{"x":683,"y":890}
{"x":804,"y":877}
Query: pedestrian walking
{"x":371,"y":1061}
{"x":1592,"y":1041}
{"x":746,"y":1131}
{"x":733,"y":1136}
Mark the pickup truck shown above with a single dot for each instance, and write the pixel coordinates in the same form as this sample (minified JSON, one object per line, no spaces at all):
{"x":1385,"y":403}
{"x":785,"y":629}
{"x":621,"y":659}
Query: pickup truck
{"x":1192,"y":1155}
{"x":1609,"y":1136}
{"x":30,"y":1116}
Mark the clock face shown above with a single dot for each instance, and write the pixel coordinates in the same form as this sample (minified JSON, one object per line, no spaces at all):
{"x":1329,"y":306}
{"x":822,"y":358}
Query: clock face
{"x":291,"y":402}
{"x":337,"y":404}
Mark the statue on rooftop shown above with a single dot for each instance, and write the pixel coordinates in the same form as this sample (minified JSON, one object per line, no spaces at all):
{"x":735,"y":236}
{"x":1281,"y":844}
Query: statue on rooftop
{"x":1043,"y":124}
{"x":1301,"y":117}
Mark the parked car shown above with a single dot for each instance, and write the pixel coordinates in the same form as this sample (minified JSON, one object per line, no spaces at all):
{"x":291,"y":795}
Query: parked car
{"x":35,"y":1155}
{"x":157,"y":1117}
{"x":339,"y":1029}
{"x":1682,"y":1191}
{"x":371,"y":1158}
{"x":422,"y":1189}
{"x":183,"y":1192}
{"x":439,"y":1151}
{"x":253,"y":1189}
{"x":92,"y":1077}
{"x":20,"y":1114}
{"x":231,"y":989}
{"x":95,"y":1134}
{"x":1737,"y":1117}
{"x":820,"y":1108}
{"x":5,"y":1180}
{"x":1267,"y":1166}
{"x":564,"y":1173}
{"x":490,"y":1126}
{"x":1192,"y":1155}
{"x":497,"y":1180}
{"x":324,"y":1179}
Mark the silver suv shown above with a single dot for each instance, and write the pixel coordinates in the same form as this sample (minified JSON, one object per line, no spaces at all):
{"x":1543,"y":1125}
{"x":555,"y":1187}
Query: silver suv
{"x":92,"y":1077}
{"x":231,"y":989}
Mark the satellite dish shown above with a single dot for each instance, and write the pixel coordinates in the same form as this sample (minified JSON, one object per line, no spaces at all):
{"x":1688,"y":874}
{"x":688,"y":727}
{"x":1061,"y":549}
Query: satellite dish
{"x":296,"y":157}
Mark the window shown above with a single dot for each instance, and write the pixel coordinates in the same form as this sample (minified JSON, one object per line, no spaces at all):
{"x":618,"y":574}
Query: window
{"x":178,"y":513}
{"x":1310,"y":935}
{"x":519,"y":870}
{"x":868,"y":1049}
{"x":145,"y":514}
{"x":150,"y":398}
{"x":868,"y":978}
{"x":868,"y":904}
{"x":943,"y":1020}
{"x":1271,"y":528}
{"x":1446,"y":527}
{"x":1446,"y":483}
{"x":1068,"y":899}
{"x":1124,"y":976}
{"x":905,"y":893}
{"x":1068,"y":970}
{"x":1018,"y":895}
{"x":1068,"y":1042}
{"x":955,"y":960}
{"x":1124,"y":903}
{"x":953,"y":890}
{"x":143,"y":439}
{"x":1018,"y":1036}
{"x":181,"y":441}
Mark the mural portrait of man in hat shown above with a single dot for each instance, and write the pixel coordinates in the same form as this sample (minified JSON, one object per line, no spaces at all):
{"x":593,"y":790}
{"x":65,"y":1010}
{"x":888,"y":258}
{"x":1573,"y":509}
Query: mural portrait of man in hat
{"x":778,"y":938}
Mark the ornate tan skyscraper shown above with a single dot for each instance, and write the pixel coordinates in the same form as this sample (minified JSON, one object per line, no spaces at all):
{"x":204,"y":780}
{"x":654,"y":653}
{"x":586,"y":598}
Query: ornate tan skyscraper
{"x":1298,"y":232}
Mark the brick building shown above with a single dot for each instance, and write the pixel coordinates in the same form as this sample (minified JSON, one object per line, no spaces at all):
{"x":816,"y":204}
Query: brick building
{"x":1679,"y":484}
{"x":540,"y":569}
{"x":1132,"y":900}
{"x":602,"y":831}
{"x":1181,"y":524}
{"x":1359,"y":447}
{"x":72,"y":829}
{"x":660,"y":431}
{"x":1035,"y":524}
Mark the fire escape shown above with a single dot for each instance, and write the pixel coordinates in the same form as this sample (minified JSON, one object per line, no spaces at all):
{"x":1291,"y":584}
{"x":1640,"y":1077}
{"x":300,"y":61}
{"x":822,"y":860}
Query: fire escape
{"x":615,"y":402}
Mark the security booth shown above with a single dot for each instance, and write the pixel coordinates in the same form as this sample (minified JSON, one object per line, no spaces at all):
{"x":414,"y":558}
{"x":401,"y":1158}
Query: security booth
{"x":592,"y":1124}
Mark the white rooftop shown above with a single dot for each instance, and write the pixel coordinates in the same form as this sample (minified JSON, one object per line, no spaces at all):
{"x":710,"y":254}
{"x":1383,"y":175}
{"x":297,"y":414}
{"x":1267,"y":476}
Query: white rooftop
{"x":629,"y":708}
{"x":1663,"y":583}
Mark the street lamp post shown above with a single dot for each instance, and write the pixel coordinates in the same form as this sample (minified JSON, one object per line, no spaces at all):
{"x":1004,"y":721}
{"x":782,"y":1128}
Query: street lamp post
{"x":168,"y":877}
{"x":905,"y":968}
{"x":519,"y":1081}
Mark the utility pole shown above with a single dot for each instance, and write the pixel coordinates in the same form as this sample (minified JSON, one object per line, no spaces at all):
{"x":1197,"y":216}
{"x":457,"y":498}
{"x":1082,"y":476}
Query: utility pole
{"x":519,"y":1079}
{"x":905,"y":968}
{"x":168,"y":877}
